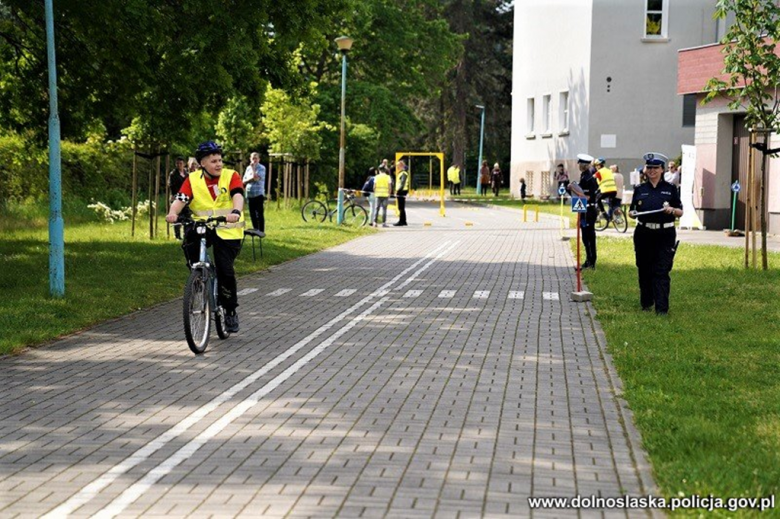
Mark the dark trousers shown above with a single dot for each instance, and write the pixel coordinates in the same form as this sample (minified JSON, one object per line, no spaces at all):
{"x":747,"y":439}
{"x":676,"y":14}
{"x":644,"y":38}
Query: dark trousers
{"x":654,"y":251}
{"x":457,"y":188}
{"x":588,"y":229}
{"x":401,"y":197}
{"x":224,"y":253}
{"x":452,"y":187}
{"x":256,"y":212}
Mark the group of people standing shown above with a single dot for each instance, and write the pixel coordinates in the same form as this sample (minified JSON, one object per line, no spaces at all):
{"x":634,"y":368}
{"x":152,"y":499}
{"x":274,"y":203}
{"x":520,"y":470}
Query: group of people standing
{"x":655,"y":205}
{"x":379,"y":187}
{"x":490,"y":179}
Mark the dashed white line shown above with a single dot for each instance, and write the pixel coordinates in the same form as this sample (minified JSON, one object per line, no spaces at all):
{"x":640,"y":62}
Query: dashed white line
{"x":447,"y":294}
{"x":346,"y":292}
{"x":312,"y":292}
{"x":246,"y":291}
{"x":551,"y":296}
{"x":481,"y":294}
{"x":132,"y":493}
{"x":516,"y":294}
{"x":411,"y":294}
{"x":279,"y":292}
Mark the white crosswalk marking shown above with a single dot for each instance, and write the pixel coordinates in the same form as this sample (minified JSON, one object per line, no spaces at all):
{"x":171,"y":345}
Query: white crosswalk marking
{"x":516,"y":294}
{"x":413,"y":293}
{"x":346,"y":292}
{"x":481,"y":294}
{"x":246,"y":291}
{"x":312,"y":292}
{"x":551,"y":296}
{"x":447,"y":294}
{"x":279,"y":292}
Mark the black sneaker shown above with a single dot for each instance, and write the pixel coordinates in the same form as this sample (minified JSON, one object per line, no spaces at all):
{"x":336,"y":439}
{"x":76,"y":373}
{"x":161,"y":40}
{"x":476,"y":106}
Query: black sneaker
{"x":231,"y":322}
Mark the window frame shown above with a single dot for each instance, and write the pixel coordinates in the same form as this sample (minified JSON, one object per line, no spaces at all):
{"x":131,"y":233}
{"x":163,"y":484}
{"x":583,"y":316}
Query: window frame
{"x":664,"y":12}
{"x":563,"y":112}
{"x":530,"y":118}
{"x":547,"y":108}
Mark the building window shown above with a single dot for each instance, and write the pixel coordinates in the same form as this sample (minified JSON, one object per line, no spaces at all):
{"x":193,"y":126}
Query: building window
{"x":547,"y":114}
{"x":530,"y":116}
{"x":563,"y":112}
{"x":656,"y":18}
{"x":689,"y":110}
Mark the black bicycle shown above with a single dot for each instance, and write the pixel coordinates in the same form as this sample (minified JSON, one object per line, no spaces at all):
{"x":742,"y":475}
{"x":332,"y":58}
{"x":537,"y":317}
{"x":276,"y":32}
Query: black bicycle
{"x":201,"y":303}
{"x":618,"y":219}
{"x":355,"y":214}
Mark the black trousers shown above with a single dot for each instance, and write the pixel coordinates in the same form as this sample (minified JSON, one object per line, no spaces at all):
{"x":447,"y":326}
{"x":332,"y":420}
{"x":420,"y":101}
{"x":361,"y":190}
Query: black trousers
{"x":588,"y":230}
{"x":185,"y":213}
{"x":225,"y":253}
{"x":654,"y":250}
{"x":457,"y":188}
{"x":256,"y":212}
{"x":452,"y":187}
{"x":401,"y":197}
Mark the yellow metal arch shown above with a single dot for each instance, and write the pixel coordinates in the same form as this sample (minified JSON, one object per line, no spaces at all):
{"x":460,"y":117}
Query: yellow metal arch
{"x":401,"y":154}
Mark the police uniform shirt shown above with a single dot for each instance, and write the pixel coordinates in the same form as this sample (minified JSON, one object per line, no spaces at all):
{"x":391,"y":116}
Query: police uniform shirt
{"x":589,"y":184}
{"x":649,"y":198}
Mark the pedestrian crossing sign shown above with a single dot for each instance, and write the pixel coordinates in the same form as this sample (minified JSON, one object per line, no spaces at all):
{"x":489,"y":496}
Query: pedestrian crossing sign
{"x":579,"y":205}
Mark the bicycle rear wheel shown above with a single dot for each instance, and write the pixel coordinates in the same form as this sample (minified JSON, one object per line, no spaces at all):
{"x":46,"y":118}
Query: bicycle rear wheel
{"x":314,"y":211}
{"x":355,"y":215}
{"x":197,"y":311}
{"x":619,"y":221}
{"x":601,"y":222}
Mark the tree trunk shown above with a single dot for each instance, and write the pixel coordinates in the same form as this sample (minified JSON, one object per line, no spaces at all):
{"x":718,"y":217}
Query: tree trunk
{"x":134,"y":195}
{"x":764,"y":263}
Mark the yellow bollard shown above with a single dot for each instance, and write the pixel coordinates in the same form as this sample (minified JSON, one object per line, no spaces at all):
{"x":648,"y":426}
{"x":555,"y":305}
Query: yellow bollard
{"x":525,"y":213}
{"x":536,"y":215}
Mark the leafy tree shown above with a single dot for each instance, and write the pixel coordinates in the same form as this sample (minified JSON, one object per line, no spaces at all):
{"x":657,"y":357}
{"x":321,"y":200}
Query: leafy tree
{"x":158,"y":60}
{"x":292,"y":126}
{"x":753,"y":70}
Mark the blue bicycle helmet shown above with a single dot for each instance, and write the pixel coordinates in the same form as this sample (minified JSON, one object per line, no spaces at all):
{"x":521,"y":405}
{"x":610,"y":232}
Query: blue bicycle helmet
{"x":207,"y":148}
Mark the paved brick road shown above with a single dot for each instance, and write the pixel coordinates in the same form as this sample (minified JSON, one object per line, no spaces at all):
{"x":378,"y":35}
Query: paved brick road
{"x":426,"y":371}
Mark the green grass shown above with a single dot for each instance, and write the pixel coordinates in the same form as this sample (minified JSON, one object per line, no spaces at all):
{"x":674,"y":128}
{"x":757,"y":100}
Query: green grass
{"x":108,"y":273}
{"x":704,"y":382}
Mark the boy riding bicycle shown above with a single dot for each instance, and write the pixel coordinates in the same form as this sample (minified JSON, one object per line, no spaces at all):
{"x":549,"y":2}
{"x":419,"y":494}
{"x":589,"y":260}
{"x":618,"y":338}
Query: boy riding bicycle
{"x":215,"y":191}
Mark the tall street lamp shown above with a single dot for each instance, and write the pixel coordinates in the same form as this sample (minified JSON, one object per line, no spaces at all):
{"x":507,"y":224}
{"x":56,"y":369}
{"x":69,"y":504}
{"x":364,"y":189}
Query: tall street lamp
{"x":345,"y":44}
{"x":481,"y":139}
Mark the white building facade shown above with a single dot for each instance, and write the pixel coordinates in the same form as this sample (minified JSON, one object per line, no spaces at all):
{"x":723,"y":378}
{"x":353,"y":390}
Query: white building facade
{"x":600,"y":77}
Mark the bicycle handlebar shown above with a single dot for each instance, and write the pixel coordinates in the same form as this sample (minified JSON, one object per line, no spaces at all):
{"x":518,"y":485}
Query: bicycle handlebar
{"x":183,"y":220}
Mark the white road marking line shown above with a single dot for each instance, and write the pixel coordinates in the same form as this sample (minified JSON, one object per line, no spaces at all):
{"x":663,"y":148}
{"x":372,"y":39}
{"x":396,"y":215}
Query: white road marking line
{"x":411,"y":294}
{"x":312,"y":292}
{"x":551,"y":296}
{"x":246,"y":291}
{"x":447,"y":294}
{"x":481,"y":294}
{"x":516,"y":294}
{"x":279,"y":292}
{"x":93,"y":489}
{"x":346,"y":292}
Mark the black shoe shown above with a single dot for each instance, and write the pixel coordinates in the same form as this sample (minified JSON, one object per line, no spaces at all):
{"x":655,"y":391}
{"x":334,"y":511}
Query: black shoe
{"x":399,"y":224}
{"x":231,"y":322}
{"x":661,"y":313}
{"x":647,"y":308}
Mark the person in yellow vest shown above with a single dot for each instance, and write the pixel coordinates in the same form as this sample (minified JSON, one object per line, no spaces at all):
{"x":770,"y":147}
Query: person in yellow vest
{"x":382,"y":188}
{"x":607,"y":186}
{"x":215,"y":191}
{"x":402,"y":186}
{"x":453,"y":177}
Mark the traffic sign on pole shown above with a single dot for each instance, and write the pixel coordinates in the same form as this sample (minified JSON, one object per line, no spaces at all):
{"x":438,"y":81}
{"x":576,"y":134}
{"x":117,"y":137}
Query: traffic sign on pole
{"x":579,"y":204}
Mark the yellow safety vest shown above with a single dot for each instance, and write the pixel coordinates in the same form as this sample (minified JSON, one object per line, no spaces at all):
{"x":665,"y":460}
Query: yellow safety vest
{"x":203,"y":206}
{"x":398,"y":176}
{"x":453,"y":175}
{"x":607,"y":182}
{"x":382,"y":185}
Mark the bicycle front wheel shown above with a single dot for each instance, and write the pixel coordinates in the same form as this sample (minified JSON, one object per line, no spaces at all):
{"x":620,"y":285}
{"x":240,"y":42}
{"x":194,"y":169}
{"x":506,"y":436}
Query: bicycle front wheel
{"x":197,"y":311}
{"x":619,"y":221}
{"x":314,"y":211}
{"x":601,"y":222}
{"x":355,"y":215}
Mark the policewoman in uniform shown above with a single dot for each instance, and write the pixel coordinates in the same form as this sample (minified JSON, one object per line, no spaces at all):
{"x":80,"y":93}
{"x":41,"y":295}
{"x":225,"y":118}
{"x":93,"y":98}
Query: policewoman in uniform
{"x":215,"y":191}
{"x":655,"y":237}
{"x":401,"y":190}
{"x":589,"y":186}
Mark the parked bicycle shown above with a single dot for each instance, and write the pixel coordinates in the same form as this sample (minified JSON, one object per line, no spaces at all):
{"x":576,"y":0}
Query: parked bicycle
{"x":355,"y":214}
{"x":201,"y":303}
{"x":618,"y":219}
